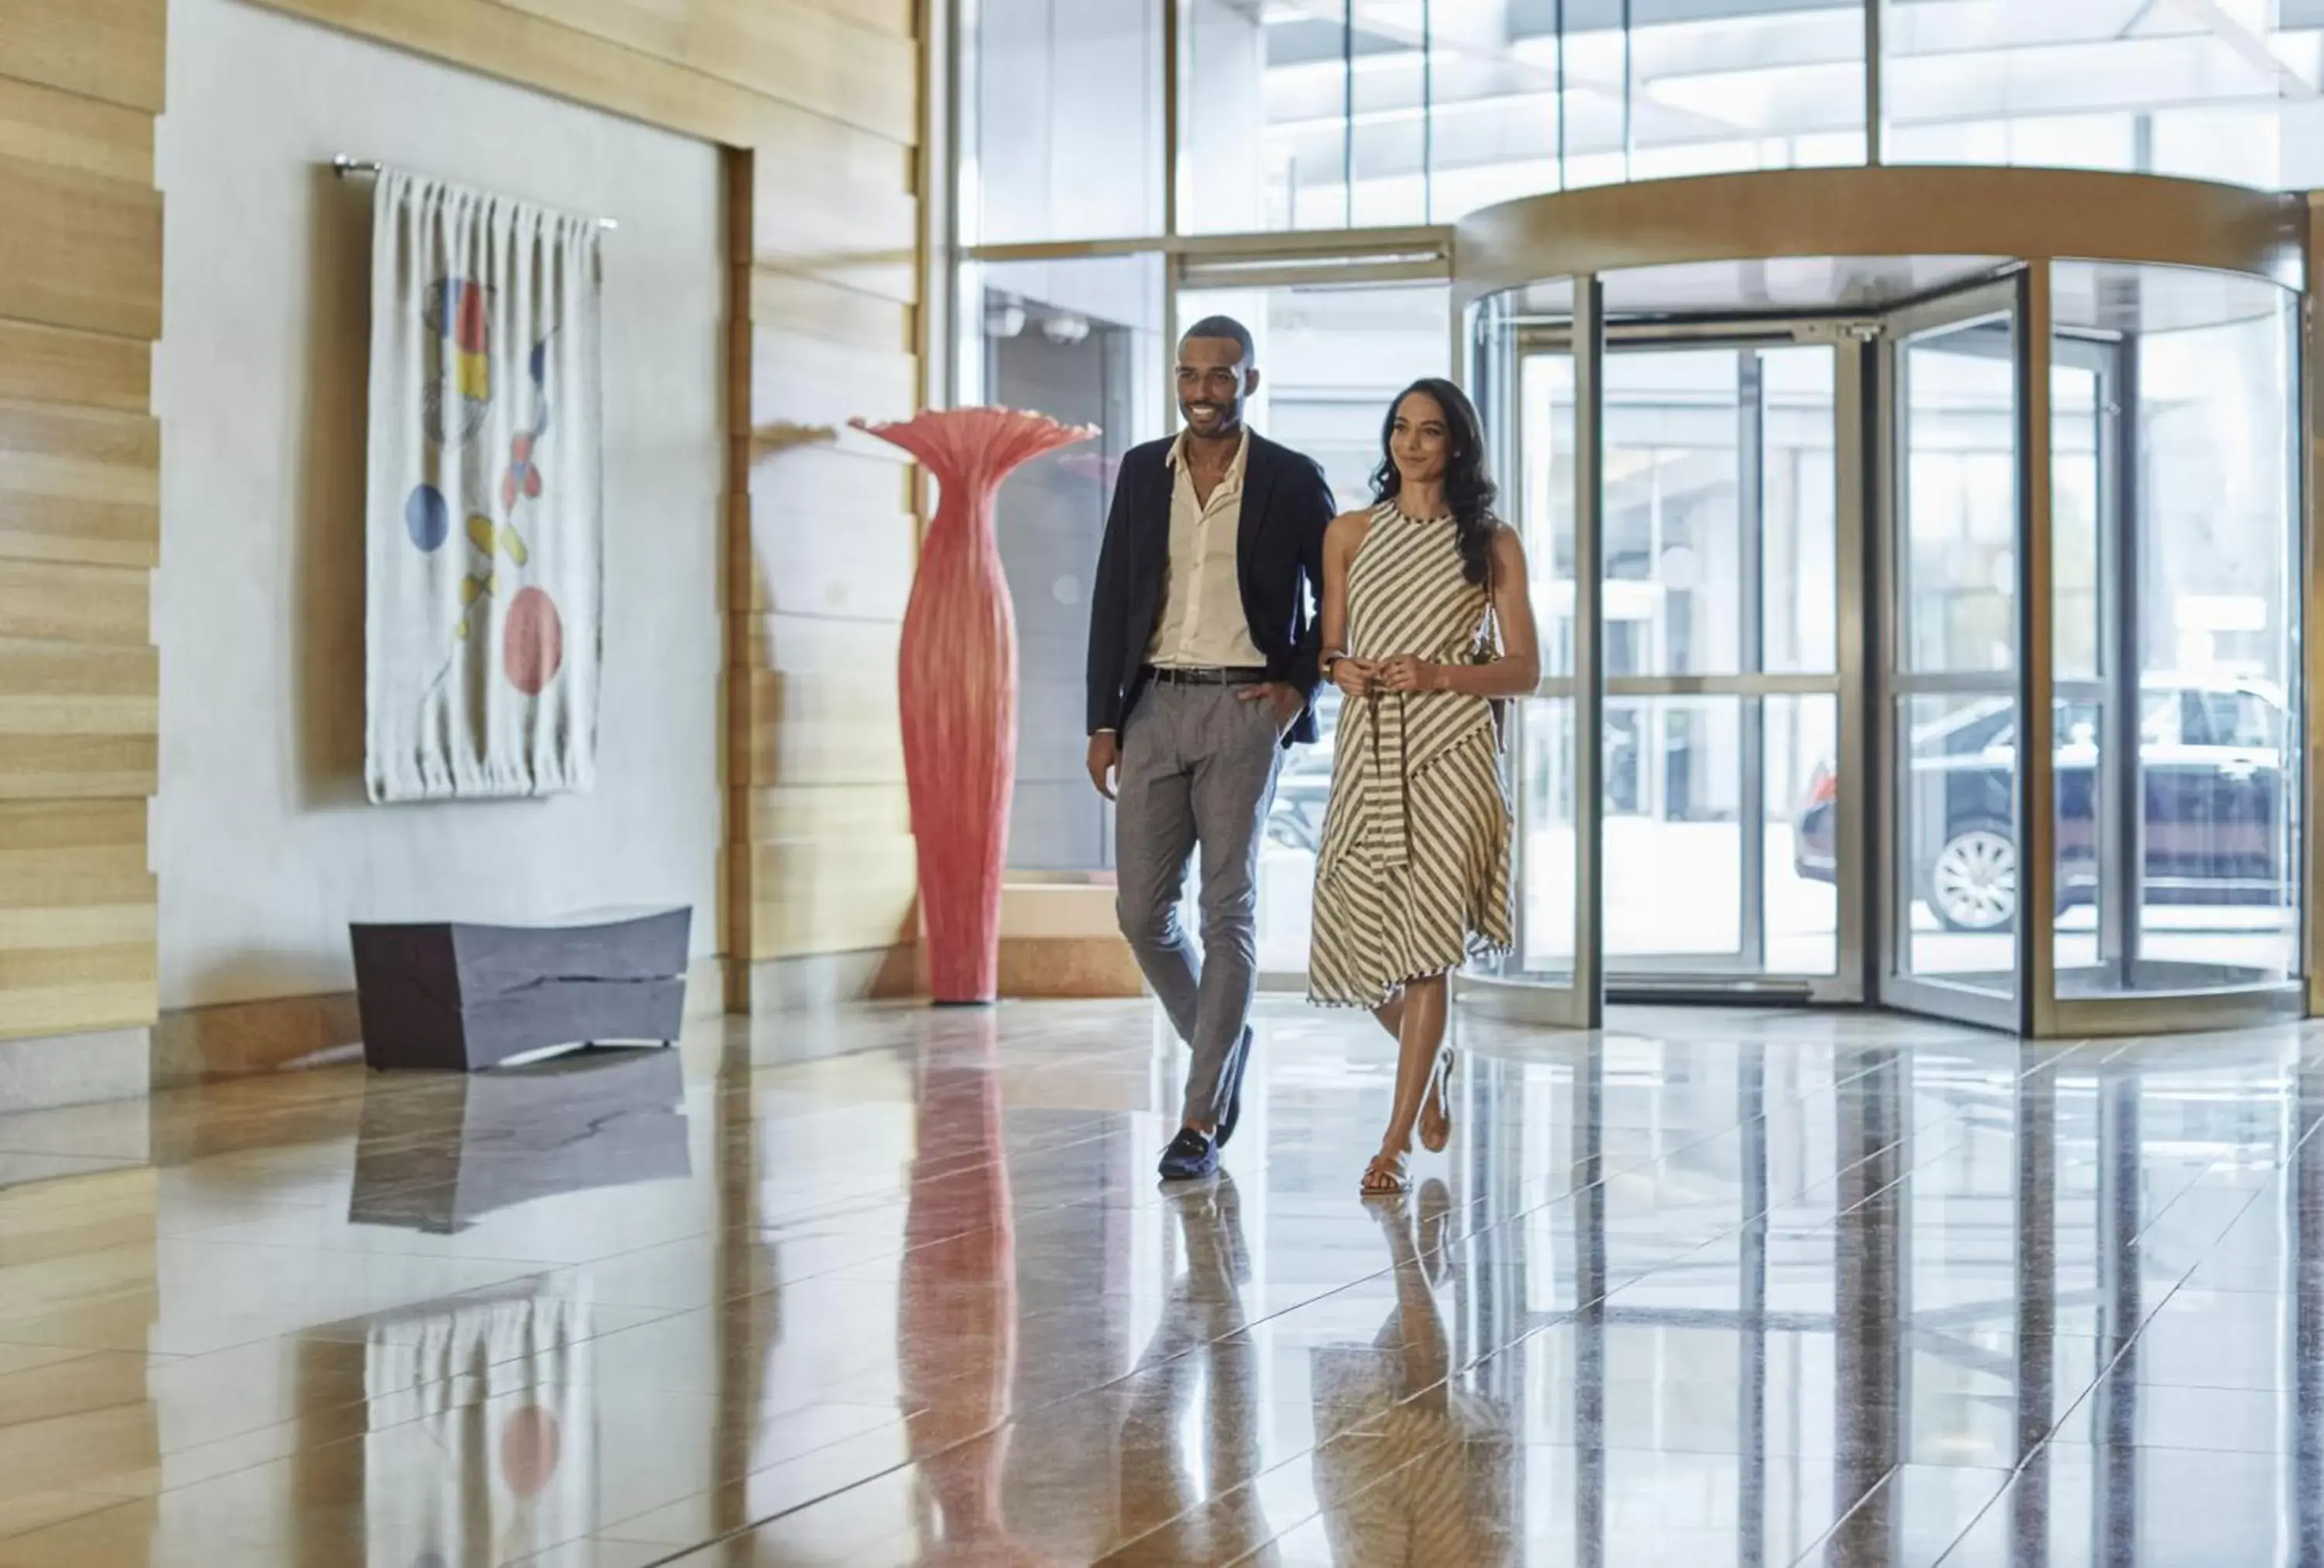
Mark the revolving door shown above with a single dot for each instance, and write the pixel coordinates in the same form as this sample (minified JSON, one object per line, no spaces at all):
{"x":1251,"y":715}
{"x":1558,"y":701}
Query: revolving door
{"x":1920,"y":605}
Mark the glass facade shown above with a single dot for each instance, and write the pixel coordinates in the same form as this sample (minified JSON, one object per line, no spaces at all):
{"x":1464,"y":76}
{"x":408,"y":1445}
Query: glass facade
{"x":1082,"y":340}
{"x":1293,"y":162}
{"x":2213,"y":91}
{"x":1060,"y":133}
{"x":1302,"y":114}
{"x":1376,"y":112}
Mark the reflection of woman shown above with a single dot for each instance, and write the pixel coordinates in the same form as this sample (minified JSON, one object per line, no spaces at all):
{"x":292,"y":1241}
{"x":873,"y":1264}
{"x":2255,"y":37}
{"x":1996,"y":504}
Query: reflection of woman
{"x":1413,"y":876}
{"x":1431,"y":1479}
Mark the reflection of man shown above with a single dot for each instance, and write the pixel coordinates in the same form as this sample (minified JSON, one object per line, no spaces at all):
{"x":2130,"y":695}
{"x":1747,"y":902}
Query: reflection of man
{"x":1199,"y":1355}
{"x":1201,"y":662}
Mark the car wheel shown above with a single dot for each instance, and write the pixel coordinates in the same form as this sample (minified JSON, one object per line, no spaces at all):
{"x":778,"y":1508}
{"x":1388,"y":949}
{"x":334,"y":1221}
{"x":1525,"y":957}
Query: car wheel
{"x":1973,"y":881}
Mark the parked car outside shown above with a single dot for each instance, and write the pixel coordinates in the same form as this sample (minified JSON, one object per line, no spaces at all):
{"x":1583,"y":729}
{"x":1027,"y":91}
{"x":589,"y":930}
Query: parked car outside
{"x":2211,"y":764}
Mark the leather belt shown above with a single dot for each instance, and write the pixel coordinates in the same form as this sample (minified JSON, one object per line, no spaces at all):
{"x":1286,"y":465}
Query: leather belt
{"x":1213,"y":675}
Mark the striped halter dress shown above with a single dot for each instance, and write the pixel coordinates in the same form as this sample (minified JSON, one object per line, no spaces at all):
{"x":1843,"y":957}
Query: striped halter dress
{"x":1413,"y":878}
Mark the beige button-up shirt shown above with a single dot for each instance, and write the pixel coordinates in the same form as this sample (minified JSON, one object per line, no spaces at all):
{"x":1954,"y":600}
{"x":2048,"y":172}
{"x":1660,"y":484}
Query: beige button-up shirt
{"x":1202,"y":626}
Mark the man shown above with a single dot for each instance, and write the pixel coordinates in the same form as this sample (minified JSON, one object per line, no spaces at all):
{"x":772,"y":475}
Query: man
{"x":1202,"y":668}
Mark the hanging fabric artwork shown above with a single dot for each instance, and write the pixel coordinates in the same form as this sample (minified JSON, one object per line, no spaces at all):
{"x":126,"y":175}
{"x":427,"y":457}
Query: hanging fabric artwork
{"x":484,"y":574}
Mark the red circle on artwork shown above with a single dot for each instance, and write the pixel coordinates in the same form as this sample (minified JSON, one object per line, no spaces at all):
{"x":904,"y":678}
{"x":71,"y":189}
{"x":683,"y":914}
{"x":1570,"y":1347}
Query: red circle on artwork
{"x":533,"y":642}
{"x":530,"y":1444}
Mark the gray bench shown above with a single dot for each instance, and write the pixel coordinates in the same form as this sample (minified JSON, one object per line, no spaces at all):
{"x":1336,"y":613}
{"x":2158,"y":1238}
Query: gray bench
{"x":461,"y":996}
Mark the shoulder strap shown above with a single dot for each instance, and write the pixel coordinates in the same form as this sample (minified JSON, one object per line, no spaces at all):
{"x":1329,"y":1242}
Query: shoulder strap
{"x":1491,"y":631}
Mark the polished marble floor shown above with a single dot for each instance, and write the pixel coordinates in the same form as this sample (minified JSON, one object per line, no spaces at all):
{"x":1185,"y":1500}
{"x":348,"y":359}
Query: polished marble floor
{"x":1716,"y":1287}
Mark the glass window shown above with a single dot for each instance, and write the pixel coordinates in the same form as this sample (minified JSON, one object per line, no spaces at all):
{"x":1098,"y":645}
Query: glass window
{"x":1061,"y":120}
{"x":1961,"y":478}
{"x":1082,"y":341}
{"x":2129,"y":85}
{"x":1799,"y":615}
{"x":1367,"y":113}
{"x":1330,"y":361}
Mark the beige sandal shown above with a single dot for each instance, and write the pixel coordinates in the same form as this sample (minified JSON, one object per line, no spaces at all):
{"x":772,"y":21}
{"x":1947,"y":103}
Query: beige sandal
{"x":1386,"y":1177}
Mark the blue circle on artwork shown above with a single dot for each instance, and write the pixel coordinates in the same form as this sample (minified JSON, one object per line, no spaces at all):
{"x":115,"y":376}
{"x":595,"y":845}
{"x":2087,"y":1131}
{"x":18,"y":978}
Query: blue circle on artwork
{"x":427,"y":517}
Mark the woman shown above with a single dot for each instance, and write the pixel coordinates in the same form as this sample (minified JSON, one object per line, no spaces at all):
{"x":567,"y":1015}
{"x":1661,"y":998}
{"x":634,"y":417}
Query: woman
{"x":1413,"y":878}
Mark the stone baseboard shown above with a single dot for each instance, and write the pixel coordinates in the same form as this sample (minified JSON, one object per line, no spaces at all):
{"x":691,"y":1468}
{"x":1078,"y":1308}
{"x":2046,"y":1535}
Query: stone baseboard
{"x":195,"y":1045}
{"x":825,"y":980}
{"x":49,"y":1071}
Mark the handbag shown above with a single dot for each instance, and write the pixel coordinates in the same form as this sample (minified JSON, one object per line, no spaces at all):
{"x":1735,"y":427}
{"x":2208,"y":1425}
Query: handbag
{"x":1487,"y":650}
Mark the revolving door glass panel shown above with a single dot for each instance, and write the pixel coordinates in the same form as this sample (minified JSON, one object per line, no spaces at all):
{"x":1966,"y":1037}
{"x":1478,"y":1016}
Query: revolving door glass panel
{"x":2175,"y":638}
{"x":1722,"y":676}
{"x":1538,"y":406}
{"x":1950,"y":858}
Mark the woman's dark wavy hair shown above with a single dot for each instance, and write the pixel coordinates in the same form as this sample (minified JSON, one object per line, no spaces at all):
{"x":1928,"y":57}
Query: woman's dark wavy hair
{"x":1469,"y":490}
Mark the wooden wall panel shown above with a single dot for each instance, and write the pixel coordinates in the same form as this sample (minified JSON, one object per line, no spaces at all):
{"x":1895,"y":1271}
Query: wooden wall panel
{"x":44,"y":125}
{"x":77,"y":251}
{"x":797,"y":379}
{"x":46,"y":364}
{"x":74,"y":603}
{"x":80,"y":304}
{"x":51,"y":688}
{"x":567,"y":62}
{"x":828,"y":894}
{"x":93,"y":968}
{"x":801,"y":52}
{"x":111,"y":51}
{"x":834,"y":727}
{"x":80,"y":455}
{"x":77,"y":767}
{"x":833,"y":561}
{"x":79,"y":485}
{"x":840,"y":810}
{"x":897,"y":16}
{"x":787,"y":302}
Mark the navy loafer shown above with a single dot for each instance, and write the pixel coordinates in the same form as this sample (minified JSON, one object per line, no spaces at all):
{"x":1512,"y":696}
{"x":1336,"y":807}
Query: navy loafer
{"x":1191,"y":1156}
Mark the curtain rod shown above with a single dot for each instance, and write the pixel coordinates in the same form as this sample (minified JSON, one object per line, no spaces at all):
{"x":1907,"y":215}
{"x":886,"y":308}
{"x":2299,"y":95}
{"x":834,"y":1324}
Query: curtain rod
{"x":347,"y":168}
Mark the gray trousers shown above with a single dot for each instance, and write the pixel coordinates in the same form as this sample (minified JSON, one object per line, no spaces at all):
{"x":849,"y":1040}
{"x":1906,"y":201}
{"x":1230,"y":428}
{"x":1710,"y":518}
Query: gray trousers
{"x":1197,"y":770}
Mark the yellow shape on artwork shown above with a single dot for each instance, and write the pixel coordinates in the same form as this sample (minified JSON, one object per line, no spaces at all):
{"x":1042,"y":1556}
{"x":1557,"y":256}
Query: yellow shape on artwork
{"x":514,"y":542}
{"x":481,"y":531}
{"x":476,"y":372}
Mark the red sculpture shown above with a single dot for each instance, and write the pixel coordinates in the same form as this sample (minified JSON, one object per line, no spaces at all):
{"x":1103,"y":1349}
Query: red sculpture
{"x":957,"y":673}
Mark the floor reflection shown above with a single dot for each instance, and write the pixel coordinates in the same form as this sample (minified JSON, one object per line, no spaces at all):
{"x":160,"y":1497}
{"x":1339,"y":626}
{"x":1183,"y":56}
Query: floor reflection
{"x":439,"y":1153}
{"x":1420,"y":1465}
{"x":957,"y":1327}
{"x":1711,"y":1287}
